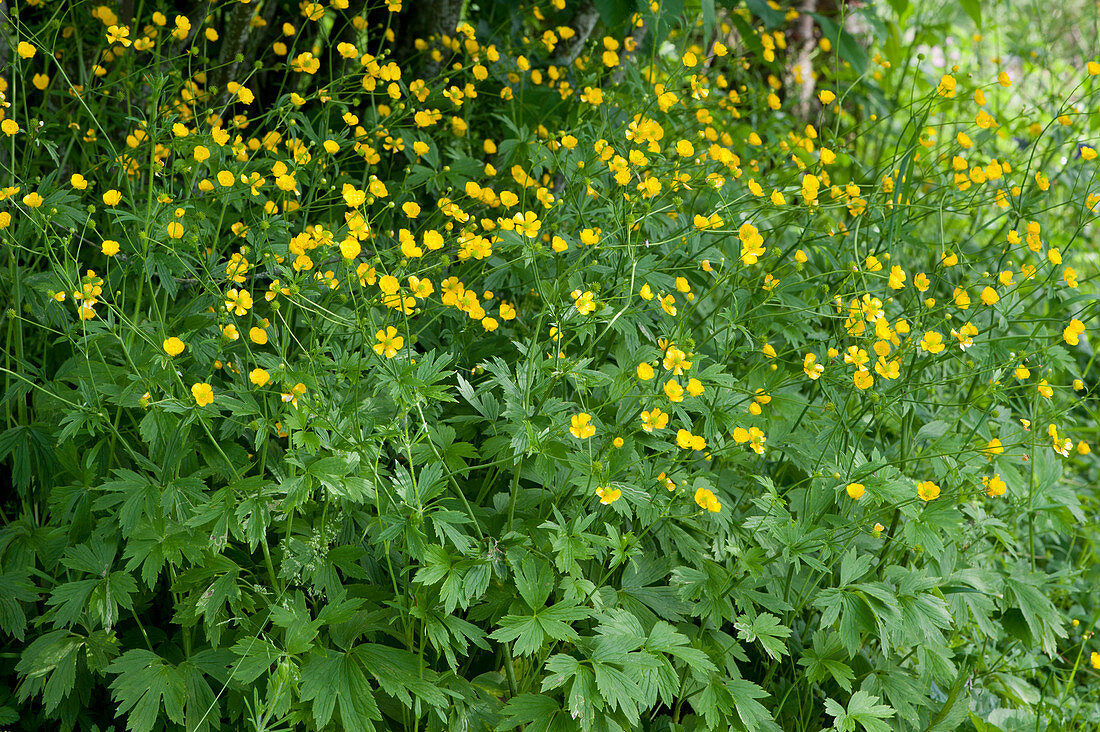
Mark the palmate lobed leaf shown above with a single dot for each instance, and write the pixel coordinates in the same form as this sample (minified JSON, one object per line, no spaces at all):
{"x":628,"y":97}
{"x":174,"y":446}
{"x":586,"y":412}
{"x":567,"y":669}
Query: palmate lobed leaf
{"x":863,"y":712}
{"x":332,"y":681}
{"x":144,"y":683}
{"x":15,"y":589}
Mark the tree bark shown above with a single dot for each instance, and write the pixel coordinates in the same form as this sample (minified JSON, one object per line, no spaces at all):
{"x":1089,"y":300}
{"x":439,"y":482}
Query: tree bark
{"x":425,"y":19}
{"x":804,"y":65}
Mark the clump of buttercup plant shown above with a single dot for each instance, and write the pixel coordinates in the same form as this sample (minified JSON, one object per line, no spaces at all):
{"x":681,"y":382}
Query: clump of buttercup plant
{"x":546,"y":367}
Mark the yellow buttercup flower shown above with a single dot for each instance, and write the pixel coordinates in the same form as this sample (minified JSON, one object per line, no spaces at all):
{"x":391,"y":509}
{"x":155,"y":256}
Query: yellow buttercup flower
{"x":994,"y":486}
{"x":580,"y":425}
{"x":203,"y":393}
{"x":707,"y":500}
{"x":585,"y":302}
{"x":238,"y":302}
{"x":173,"y":346}
{"x":676,"y":361}
{"x":863,"y":379}
{"x":928,"y":491}
{"x":654,"y":419}
{"x":811,"y":367}
{"x":118,"y":34}
{"x":389,"y":342}
{"x":674,"y":391}
{"x":946,"y":87}
{"x":932,"y":342}
{"x":1072,"y":333}
{"x":608,"y":495}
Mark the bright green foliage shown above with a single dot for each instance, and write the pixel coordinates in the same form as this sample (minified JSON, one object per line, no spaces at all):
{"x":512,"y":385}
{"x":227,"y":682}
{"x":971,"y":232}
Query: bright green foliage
{"x":584,"y":366}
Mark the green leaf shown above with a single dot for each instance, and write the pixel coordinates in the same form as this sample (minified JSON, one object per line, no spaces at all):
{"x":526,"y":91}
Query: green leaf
{"x":619,"y":689}
{"x":666,"y":639}
{"x":765,"y":12}
{"x":617,"y":637}
{"x":30,"y":449}
{"x":955,"y":707}
{"x":144,"y":684}
{"x":300,"y":627}
{"x":1042,"y":618}
{"x":863,"y":710}
{"x":847,"y":46}
{"x":933,"y":430}
{"x":52,"y":657}
{"x":137,"y":495}
{"x":765,"y":628}
{"x":103,"y":597}
{"x":15,"y":589}
{"x":95,"y":558}
{"x":900,"y":6}
{"x":332,"y":678}
{"x":526,"y":631}
{"x":614,"y":12}
{"x":723,"y":697}
{"x":201,"y":709}
{"x":645,"y":585}
{"x":821,"y":661}
{"x":110,"y":594}
{"x":530,"y":631}
{"x":70,"y":599}
{"x":973,"y":8}
{"x":254,"y":657}
{"x":436,"y":566}
{"x":535,"y":710}
{"x":555,"y":617}
{"x":707,"y":10}
{"x":399,"y":672}
{"x":582,"y":699}
{"x":534,"y":580}
{"x":1015,"y":689}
